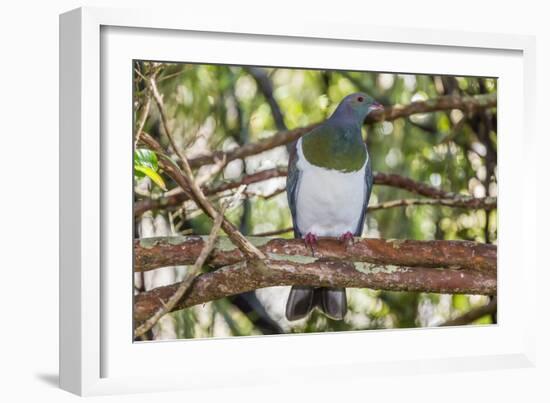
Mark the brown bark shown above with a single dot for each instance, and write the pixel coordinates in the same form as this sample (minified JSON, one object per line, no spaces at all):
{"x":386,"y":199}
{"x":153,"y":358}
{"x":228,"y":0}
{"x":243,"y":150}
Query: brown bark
{"x":411,"y":185}
{"x":151,"y":253}
{"x":247,"y":276}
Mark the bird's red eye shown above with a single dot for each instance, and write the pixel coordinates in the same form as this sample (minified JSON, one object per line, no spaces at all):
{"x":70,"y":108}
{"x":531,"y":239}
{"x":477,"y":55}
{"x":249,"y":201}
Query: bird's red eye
{"x":360,"y":99}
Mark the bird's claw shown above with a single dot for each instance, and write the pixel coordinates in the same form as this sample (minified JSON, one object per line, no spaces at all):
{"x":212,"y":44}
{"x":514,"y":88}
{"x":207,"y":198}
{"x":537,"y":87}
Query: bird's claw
{"x":347,"y":238}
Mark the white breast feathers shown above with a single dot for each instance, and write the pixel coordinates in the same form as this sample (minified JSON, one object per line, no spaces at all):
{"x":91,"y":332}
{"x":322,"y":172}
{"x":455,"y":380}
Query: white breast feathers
{"x":328,"y":202}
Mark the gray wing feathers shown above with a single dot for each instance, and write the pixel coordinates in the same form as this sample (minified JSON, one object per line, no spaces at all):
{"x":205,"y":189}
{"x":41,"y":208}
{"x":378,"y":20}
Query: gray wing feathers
{"x":292,"y":181}
{"x":368,"y":188}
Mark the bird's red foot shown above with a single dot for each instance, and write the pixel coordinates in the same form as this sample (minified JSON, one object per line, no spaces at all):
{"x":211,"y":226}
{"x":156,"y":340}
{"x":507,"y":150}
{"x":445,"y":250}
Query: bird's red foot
{"x":310,"y":241}
{"x":347,"y":237}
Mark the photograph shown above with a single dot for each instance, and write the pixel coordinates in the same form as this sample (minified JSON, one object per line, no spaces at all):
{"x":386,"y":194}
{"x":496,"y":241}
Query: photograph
{"x":308,"y":202}
{"x":276,"y":200}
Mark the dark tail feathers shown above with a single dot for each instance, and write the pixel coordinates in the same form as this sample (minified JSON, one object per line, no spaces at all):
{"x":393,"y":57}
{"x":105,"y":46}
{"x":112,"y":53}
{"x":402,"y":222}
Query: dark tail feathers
{"x":302,"y":300}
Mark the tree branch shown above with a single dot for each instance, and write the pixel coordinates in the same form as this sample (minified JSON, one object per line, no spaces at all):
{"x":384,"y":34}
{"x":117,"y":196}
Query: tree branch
{"x":246,"y":276}
{"x":486,"y":203}
{"x":142,"y":119}
{"x":187,"y":181}
{"x":447,"y":102}
{"x":473,"y":315}
{"x":263,"y":81}
{"x":183,"y":286}
{"x":274,"y":232}
{"x":151,"y":253}
{"x":176,"y":199}
{"x":278,"y":139}
{"x":384,"y":179}
{"x":411,"y":185}
{"x":196,"y":194}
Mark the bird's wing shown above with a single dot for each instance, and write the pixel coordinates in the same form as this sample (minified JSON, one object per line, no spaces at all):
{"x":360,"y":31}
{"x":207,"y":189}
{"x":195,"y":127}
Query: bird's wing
{"x":292,"y":180}
{"x":368,"y":188}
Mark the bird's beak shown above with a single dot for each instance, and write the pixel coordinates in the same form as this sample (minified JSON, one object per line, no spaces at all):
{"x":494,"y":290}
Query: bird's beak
{"x":376,"y":107}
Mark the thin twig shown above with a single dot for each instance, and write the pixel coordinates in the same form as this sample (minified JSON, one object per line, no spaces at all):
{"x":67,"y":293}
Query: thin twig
{"x":265,"y":196}
{"x":216,"y":169}
{"x":142,"y":120}
{"x":402,"y":182}
{"x":183,"y":286}
{"x":275,"y":232}
{"x":177,"y":196}
{"x":195,"y":193}
{"x":167,"y":131}
{"x":168,"y":76}
{"x":457,"y":128}
{"x":485,"y":203}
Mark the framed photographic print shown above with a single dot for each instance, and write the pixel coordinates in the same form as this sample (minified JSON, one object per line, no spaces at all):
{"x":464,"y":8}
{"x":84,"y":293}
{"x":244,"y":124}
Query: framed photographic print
{"x":240,"y":195}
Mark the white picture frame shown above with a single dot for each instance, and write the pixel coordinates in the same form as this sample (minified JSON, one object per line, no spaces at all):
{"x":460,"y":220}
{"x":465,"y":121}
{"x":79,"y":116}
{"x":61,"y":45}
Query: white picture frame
{"x":96,"y":349}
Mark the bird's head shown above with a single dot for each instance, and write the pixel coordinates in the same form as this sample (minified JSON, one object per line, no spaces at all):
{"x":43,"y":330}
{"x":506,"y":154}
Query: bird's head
{"x":357,"y":106}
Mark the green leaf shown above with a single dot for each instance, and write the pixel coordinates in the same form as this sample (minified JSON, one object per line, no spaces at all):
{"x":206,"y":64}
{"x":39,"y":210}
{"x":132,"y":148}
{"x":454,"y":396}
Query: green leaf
{"x":484,"y":320}
{"x":146,"y":164}
{"x":146,"y":158}
{"x":149,"y":172}
{"x":461,"y":302}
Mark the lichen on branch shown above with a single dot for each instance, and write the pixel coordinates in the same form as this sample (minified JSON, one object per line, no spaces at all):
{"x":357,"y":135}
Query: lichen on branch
{"x":151,"y":253}
{"x":245,"y":276}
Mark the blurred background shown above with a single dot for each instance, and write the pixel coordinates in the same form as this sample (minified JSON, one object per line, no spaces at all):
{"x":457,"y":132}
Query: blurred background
{"x":218,"y":107}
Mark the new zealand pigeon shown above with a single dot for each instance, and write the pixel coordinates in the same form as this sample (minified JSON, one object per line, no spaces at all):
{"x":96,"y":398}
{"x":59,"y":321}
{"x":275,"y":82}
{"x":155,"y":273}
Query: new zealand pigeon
{"x":328,"y":187}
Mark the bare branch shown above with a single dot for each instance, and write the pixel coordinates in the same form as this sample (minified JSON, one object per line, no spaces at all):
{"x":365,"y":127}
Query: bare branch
{"x":178,"y":197}
{"x":160,"y":105}
{"x":389,"y":113}
{"x":152,"y":253}
{"x":486,"y":203}
{"x":215,"y":169}
{"x":187,"y":182}
{"x":473,"y":315}
{"x":263,"y":81}
{"x":278,"y":139}
{"x":274,"y":232}
{"x":411,"y":185}
{"x":447,"y":102}
{"x":245,"y":276}
{"x":142,"y":120}
{"x":265,"y":196}
{"x":183,"y":286}
{"x":197,"y":195}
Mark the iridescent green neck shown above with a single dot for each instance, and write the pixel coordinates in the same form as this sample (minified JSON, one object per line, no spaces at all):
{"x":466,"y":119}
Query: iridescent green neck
{"x":336,"y":148}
